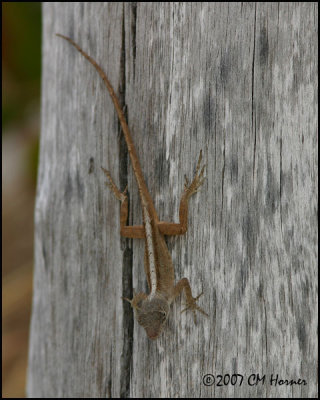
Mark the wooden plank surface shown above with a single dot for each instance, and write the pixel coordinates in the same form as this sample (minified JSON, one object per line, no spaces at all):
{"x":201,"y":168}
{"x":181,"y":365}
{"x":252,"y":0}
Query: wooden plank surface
{"x":238,"y":81}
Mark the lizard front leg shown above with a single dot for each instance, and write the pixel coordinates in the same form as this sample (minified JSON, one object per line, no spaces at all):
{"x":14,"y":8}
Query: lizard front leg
{"x":170,"y":228}
{"x":136,"y":231}
{"x":191,"y":304}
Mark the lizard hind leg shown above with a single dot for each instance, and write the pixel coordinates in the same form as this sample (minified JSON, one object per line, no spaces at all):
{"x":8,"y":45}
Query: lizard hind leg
{"x":193,"y":187}
{"x":136,"y":231}
{"x":122,"y":196}
{"x":169,"y":228}
{"x":191,"y":302}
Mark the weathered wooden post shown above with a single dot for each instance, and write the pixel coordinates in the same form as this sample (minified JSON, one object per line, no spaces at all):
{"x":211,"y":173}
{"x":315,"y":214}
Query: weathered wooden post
{"x":237,"y":80}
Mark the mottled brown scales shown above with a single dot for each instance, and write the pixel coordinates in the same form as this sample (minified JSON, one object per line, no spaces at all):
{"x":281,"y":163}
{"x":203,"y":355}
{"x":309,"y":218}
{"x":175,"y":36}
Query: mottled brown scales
{"x":152,"y":309}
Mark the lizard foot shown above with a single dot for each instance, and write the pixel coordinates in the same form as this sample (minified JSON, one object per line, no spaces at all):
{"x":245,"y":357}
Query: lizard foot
{"x":193,"y":306}
{"x":122,"y":196}
{"x":198,"y":179}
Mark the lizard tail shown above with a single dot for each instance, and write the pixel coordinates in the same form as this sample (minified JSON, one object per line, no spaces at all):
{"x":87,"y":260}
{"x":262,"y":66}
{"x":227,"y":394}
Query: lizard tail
{"x":131,"y":148}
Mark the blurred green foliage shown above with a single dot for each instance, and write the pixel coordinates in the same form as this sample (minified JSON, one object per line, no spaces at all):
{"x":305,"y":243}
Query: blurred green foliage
{"x":21,"y":49}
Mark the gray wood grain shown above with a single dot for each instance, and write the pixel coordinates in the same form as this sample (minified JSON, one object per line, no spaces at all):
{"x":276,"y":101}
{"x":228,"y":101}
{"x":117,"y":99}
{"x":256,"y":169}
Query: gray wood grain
{"x":237,"y":80}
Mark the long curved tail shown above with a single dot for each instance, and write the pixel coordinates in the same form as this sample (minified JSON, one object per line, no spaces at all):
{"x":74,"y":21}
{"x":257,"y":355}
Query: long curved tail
{"x":143,"y":190}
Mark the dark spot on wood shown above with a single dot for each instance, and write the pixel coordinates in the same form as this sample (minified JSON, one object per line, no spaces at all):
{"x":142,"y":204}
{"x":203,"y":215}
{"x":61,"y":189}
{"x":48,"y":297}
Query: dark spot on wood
{"x":184,"y":256}
{"x":305,"y":289}
{"x":287,"y":183}
{"x":134,"y":34}
{"x":109,"y":382}
{"x":162,"y":167}
{"x":234,"y":170}
{"x":224,"y":68}
{"x":91,"y":165}
{"x":81,"y":10}
{"x":302,"y":337}
{"x":44,"y":254}
{"x":297,"y":67}
{"x":128,"y":322}
{"x":264,"y":46}
{"x":282,"y":296}
{"x":68,"y":189}
{"x":65,"y":282}
{"x":272,"y":192}
{"x":296,"y":264}
{"x":100,"y":372}
{"x":79,"y":230}
{"x":70,"y":28}
{"x":234,"y":364}
{"x":80,"y":186}
{"x":208,"y":111}
{"x":170,"y":374}
{"x":260,"y":290}
{"x":288,"y":234}
{"x":243,"y":278}
{"x":250,"y":232}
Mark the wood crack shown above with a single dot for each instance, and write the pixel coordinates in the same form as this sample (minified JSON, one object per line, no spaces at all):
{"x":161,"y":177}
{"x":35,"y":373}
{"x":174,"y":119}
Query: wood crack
{"x":127,"y":260}
{"x":252,"y":95}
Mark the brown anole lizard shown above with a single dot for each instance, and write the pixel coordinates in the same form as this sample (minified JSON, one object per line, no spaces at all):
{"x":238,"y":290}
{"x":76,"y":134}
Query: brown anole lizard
{"x":152,"y":309}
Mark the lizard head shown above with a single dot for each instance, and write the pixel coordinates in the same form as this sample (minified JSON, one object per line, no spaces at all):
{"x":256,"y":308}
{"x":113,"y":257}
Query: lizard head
{"x":151,"y":313}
